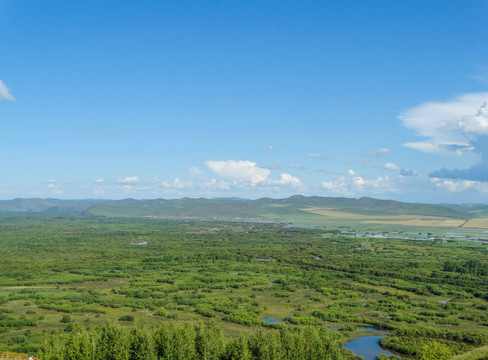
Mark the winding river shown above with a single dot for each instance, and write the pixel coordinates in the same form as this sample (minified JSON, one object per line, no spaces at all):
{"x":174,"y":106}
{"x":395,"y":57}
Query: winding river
{"x":368,"y":346}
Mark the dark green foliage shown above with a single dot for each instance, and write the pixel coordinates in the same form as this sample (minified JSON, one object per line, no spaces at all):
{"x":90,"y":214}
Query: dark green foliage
{"x":141,"y":344}
{"x":472,"y":266}
{"x":209,"y":341}
{"x":126,"y":318}
{"x":112,"y":343}
{"x":265,"y":345}
{"x":237,"y":349}
{"x":65,"y":319}
{"x":52,"y":348}
{"x":80,"y":346}
{"x":175,"y":341}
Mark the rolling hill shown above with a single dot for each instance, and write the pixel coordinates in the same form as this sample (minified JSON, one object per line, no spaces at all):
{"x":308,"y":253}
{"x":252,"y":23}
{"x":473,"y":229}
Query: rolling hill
{"x":297,"y":209}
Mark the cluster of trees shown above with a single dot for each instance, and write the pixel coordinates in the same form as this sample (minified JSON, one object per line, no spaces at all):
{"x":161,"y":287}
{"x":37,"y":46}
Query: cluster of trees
{"x":471,"y":266}
{"x":204,"y":341}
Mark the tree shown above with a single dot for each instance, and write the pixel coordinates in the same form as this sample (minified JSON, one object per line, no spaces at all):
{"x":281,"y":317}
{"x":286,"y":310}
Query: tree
{"x":141,"y":345}
{"x":435,"y":351}
{"x":112,"y":343}
{"x":52,"y":348}
{"x":175,"y":341}
{"x":80,"y":345}
{"x":209,"y":341}
{"x":266,"y":345}
{"x":238,"y":349}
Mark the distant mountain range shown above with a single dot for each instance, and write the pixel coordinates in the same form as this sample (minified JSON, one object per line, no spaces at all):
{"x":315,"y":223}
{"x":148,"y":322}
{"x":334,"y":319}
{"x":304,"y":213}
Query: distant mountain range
{"x":297,"y":208}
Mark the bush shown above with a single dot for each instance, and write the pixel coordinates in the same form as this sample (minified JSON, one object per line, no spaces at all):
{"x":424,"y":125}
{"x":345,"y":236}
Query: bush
{"x":126,"y":318}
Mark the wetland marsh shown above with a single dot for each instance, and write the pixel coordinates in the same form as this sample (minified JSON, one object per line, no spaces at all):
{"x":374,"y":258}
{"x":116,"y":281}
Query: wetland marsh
{"x":192,"y":272}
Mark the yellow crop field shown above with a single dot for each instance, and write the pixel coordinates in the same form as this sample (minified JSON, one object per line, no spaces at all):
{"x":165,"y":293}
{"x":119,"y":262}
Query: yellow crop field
{"x":408,"y":220}
{"x":481,"y":223}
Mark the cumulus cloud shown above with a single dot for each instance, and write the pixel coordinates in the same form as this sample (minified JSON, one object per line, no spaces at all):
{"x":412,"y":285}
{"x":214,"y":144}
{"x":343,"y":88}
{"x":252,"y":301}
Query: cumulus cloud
{"x":355,"y":184}
{"x":247,"y":174}
{"x":99,"y":181}
{"x":456,"y":127}
{"x":285,"y":179}
{"x":338,"y":185}
{"x":241,"y":171}
{"x":391,"y":166}
{"x":450,"y":127}
{"x":5,"y":93}
{"x":461,"y":185}
{"x":129,"y":180}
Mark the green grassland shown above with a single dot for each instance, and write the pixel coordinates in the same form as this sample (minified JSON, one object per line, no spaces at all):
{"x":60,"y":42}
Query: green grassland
{"x":59,"y":272}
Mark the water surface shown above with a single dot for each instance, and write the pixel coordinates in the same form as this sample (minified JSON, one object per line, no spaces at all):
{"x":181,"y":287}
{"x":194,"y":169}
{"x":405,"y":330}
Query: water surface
{"x":368,"y":346}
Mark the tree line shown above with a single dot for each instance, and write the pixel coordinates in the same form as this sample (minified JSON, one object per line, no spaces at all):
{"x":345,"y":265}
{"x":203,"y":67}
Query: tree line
{"x":184,"y":341}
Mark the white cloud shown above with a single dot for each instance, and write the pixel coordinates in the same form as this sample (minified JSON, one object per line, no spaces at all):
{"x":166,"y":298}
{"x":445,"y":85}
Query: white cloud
{"x":355,"y":184}
{"x":287,"y":180}
{"x":177,"y":184}
{"x":461,"y":185}
{"x":216,"y":185}
{"x":129,"y":180}
{"x":99,"y":181}
{"x":4,"y":93}
{"x":451,"y":126}
{"x":477,"y":124}
{"x":338,"y":185}
{"x":53,"y":187}
{"x":391,"y":166}
{"x":270,"y":147}
{"x":241,"y":171}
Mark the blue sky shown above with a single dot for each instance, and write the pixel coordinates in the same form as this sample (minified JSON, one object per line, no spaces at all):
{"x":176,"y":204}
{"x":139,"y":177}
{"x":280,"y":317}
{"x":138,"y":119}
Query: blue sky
{"x":146,"y":99}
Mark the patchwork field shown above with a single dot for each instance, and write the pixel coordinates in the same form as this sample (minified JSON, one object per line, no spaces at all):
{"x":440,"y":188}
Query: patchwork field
{"x":406,"y":220}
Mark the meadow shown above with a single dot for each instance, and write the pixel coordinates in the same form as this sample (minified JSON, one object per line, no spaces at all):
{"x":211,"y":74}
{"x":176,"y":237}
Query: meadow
{"x":64,"y":277}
